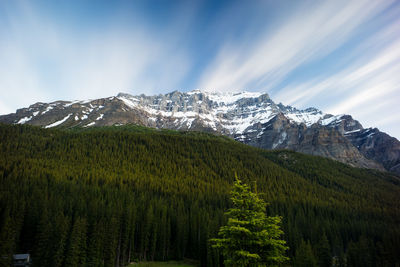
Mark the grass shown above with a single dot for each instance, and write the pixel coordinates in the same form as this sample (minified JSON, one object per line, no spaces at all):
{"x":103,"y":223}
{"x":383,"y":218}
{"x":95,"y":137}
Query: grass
{"x":185,"y":263}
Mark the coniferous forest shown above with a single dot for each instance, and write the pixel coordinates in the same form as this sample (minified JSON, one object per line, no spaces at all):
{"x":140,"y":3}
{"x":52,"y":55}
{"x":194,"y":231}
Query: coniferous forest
{"x":110,"y":196}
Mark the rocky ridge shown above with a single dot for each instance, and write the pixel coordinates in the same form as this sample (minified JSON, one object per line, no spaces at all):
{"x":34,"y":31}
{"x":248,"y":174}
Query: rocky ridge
{"x":248,"y":117}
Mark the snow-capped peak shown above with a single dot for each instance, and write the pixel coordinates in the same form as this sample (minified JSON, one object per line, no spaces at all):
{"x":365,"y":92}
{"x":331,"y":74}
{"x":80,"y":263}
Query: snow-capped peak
{"x":230,"y":98}
{"x":232,"y":113}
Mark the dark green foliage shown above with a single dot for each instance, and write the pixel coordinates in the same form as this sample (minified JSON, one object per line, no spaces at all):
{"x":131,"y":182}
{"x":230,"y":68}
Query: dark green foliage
{"x":108,"y":196}
{"x":305,"y":256}
{"x":10,"y":227}
{"x":360,"y":253}
{"x":59,"y":238}
{"x":76,"y":251}
{"x":323,"y":252}
{"x":250,"y":238}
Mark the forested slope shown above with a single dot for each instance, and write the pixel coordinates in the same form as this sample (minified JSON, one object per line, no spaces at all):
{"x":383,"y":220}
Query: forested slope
{"x":108,"y":196}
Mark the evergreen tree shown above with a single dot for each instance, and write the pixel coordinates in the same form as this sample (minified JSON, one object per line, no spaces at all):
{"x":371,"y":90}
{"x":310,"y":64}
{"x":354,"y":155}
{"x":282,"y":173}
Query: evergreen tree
{"x":59,"y":236}
{"x":107,"y":196}
{"x":250,"y":238}
{"x":76,"y":248}
{"x":323,"y":252}
{"x":95,"y":246}
{"x":43,"y":252}
{"x":7,"y":242}
{"x":359,"y":254}
{"x":305,"y":256}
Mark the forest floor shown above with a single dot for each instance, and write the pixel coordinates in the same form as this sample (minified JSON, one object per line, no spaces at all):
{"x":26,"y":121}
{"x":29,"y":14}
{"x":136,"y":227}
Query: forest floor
{"x":185,"y":263}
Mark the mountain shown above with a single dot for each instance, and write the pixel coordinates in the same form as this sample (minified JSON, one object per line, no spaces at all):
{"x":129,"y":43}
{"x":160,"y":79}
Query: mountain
{"x":248,"y":117}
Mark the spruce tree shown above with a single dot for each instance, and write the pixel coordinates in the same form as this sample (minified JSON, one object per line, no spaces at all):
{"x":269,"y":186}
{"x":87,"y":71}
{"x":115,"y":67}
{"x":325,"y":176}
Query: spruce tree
{"x":250,"y":238}
{"x":323,"y":251}
{"x":305,"y":256}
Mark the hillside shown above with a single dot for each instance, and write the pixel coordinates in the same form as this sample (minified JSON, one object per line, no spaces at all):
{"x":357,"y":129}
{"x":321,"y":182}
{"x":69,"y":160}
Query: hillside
{"x":252,"y":118}
{"x":106,"y":196}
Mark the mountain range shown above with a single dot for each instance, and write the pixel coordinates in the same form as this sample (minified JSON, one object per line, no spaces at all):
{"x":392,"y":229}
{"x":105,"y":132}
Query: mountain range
{"x":249,"y":117}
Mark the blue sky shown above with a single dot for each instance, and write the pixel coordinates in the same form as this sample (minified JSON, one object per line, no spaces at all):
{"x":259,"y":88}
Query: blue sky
{"x":338,"y":56}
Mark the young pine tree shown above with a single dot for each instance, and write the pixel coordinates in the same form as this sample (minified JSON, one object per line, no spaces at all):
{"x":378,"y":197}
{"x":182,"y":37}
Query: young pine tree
{"x":305,"y":256}
{"x":323,"y":252}
{"x":250,"y":238}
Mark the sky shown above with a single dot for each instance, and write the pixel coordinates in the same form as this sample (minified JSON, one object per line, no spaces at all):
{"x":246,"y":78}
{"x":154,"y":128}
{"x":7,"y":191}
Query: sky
{"x":342,"y":57}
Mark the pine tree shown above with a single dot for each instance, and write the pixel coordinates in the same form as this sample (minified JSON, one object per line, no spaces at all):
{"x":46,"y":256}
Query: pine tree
{"x":359,"y":254}
{"x":305,"y":256}
{"x":7,"y":236}
{"x":76,"y":248}
{"x":250,"y":238}
{"x":42,"y":253}
{"x":59,"y":236}
{"x":323,"y":252}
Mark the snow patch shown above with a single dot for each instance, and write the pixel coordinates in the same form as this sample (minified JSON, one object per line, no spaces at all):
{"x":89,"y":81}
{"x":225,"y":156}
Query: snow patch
{"x":86,"y":101}
{"x":239,"y":124}
{"x":354,"y":131}
{"x":71,"y":103}
{"x":24,"y":120}
{"x":189,"y":123}
{"x":281,"y":139}
{"x":308,"y":118}
{"x":47,"y":109}
{"x":58,"y":122}
{"x":327,"y":121}
{"x":193,"y":92}
{"x":131,"y":102}
{"x":90,"y":124}
{"x":260,"y":133}
{"x":230,"y":98}
{"x":241,"y":138}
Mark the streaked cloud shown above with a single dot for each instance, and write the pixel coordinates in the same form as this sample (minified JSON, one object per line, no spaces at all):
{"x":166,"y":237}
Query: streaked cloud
{"x":42,"y":61}
{"x":368,"y":88}
{"x":313,"y":32}
{"x":366,"y":76}
{"x":339,"y":56}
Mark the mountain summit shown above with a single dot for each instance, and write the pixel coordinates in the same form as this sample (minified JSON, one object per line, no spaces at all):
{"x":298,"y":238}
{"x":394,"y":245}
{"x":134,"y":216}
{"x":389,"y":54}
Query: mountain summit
{"x":249,"y":117}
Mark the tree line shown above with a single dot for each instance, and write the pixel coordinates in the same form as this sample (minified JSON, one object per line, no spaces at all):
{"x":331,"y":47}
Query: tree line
{"x":109,"y":196}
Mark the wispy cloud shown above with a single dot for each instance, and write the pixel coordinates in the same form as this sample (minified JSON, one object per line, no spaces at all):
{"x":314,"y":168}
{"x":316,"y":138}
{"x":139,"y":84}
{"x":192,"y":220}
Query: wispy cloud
{"x":356,"y":78}
{"x":313,"y":32}
{"x":43,"y":61}
{"x":368,"y":88}
{"x":368,"y":77}
{"x":340,"y":56}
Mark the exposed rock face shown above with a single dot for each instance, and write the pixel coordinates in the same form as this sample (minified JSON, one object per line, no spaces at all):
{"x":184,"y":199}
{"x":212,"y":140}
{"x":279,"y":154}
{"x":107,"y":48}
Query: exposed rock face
{"x":251,"y":118}
{"x":280,"y":133}
{"x":378,"y":146}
